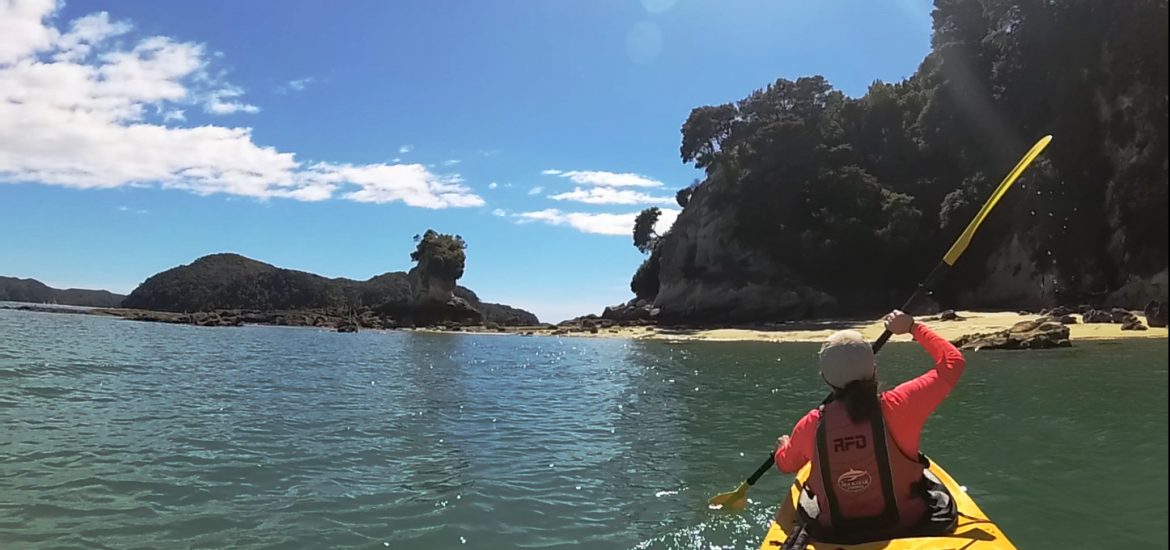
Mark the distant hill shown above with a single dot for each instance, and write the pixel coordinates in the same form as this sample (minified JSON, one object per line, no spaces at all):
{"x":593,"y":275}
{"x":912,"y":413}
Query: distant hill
{"x":231,"y":281}
{"x":32,"y":290}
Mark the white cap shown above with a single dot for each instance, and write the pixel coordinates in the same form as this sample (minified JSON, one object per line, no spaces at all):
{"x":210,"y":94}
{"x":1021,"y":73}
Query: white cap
{"x":846,"y":357}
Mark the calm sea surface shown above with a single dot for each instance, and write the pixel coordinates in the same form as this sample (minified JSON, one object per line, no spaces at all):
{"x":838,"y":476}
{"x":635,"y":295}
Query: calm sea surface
{"x":115,"y":434}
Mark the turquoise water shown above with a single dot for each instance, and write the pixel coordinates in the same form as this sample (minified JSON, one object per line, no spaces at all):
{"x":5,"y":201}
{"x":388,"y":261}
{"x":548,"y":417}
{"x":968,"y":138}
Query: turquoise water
{"x":134,"y":435}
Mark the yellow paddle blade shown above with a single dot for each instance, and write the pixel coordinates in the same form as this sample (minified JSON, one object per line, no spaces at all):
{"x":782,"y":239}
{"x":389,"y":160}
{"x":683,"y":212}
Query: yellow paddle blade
{"x":960,"y":245}
{"x":733,"y":501}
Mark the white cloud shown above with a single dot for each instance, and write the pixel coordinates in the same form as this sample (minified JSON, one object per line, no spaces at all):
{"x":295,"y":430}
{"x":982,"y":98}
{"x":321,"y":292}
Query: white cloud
{"x":295,"y":85}
{"x":499,"y":212}
{"x":20,"y":25}
{"x":86,"y":31}
{"x":412,"y":184}
{"x":405,"y":149}
{"x":451,"y":162}
{"x":493,"y":185}
{"x":221,"y":102}
{"x":599,"y":224}
{"x":609,"y":195}
{"x":79,"y":111}
{"x":605,"y":179}
{"x":536,"y":190}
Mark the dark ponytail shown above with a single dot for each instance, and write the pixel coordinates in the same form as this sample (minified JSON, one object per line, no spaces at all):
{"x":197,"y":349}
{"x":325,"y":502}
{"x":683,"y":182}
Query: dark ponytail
{"x":861,"y":400}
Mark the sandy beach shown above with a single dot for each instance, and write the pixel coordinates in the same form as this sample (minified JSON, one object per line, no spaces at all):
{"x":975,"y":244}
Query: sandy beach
{"x":971,"y":322}
{"x":816,"y":331}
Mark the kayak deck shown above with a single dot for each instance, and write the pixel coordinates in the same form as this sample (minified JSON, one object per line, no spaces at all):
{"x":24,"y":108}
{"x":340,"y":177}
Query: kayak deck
{"x":974,"y":531}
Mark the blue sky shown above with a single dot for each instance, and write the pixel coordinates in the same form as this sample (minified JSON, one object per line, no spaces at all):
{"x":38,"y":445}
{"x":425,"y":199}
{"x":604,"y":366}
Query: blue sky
{"x":139,"y":135}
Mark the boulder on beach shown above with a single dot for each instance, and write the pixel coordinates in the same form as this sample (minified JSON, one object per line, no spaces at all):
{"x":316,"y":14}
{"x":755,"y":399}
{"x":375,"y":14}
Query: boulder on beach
{"x":1122,"y":316}
{"x":950,"y":315}
{"x":1133,"y":324}
{"x":1096,"y":316}
{"x":1041,"y":333}
{"x":1156,"y":313}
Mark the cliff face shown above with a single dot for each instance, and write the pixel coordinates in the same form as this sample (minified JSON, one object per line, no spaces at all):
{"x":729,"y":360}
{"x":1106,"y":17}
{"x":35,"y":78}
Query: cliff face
{"x":234,"y":282}
{"x":816,"y":204}
{"x":708,"y":275}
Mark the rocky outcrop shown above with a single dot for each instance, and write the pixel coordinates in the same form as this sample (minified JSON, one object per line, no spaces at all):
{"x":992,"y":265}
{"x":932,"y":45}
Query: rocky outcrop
{"x":230,"y":282}
{"x":589,"y":323}
{"x":1138,"y":290}
{"x":432,"y":301}
{"x":426,"y":287}
{"x":427,"y":313}
{"x":816,"y":188}
{"x":1133,"y":323}
{"x":343,"y":321}
{"x":950,"y":315}
{"x":1058,"y":311}
{"x":633,"y":311}
{"x":1041,"y":333}
{"x":1156,"y":314}
{"x":1096,"y":316}
{"x":1121,"y":316}
{"x":497,"y":314}
{"x":1012,"y":278}
{"x":706,"y":275}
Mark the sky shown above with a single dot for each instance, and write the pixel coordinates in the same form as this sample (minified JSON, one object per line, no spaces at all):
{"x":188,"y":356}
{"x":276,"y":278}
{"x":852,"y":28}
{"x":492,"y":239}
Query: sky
{"x":136,"y":136}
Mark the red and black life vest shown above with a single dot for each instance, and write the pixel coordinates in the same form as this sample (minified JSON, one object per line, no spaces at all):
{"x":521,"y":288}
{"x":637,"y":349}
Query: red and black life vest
{"x":864,"y":483}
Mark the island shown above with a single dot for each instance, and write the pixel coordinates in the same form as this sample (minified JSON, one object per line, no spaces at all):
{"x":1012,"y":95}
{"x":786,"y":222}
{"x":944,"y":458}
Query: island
{"x":231,"y":290}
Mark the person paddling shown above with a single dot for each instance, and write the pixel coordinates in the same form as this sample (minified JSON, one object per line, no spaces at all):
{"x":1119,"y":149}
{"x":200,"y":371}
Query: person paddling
{"x":869,"y":481}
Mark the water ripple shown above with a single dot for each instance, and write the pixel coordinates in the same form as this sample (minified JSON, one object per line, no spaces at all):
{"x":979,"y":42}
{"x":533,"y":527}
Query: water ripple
{"x":134,"y":435}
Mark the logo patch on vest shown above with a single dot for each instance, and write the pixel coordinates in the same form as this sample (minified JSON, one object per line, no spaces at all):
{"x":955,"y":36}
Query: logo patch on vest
{"x":854,"y":481}
{"x":843,"y":444}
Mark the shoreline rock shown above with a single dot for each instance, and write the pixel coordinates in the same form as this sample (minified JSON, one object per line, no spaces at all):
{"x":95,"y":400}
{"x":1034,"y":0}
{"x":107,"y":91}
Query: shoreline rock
{"x":1042,"y":333}
{"x":225,"y":287}
{"x":1156,"y":314}
{"x":977,"y":323}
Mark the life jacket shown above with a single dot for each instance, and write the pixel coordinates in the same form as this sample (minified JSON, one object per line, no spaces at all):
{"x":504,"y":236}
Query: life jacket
{"x":862,"y":485}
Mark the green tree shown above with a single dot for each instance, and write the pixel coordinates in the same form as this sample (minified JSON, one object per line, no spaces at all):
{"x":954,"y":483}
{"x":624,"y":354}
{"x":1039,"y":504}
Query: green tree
{"x":683,"y":196}
{"x":704,"y":133}
{"x":644,"y":284}
{"x":645,"y":238}
{"x":440,"y":254}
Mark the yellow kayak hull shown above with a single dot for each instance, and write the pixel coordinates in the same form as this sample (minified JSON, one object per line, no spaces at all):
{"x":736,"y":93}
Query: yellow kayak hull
{"x":974,"y":532}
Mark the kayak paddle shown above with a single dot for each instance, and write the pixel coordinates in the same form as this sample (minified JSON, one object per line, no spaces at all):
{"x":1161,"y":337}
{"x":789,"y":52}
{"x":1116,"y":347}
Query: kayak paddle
{"x":737,"y":500}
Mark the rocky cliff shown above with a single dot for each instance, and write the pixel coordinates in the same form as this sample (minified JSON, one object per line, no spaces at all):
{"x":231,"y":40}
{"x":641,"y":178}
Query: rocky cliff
{"x":815,"y":203}
{"x":707,"y":274}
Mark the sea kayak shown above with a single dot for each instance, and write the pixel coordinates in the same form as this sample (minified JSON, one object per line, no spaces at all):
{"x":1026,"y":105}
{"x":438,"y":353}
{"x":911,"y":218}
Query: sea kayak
{"x":974,"y":532}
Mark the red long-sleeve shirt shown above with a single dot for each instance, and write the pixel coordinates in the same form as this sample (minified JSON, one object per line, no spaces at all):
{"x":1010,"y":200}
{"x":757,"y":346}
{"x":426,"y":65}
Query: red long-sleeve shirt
{"x":905,"y":408}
